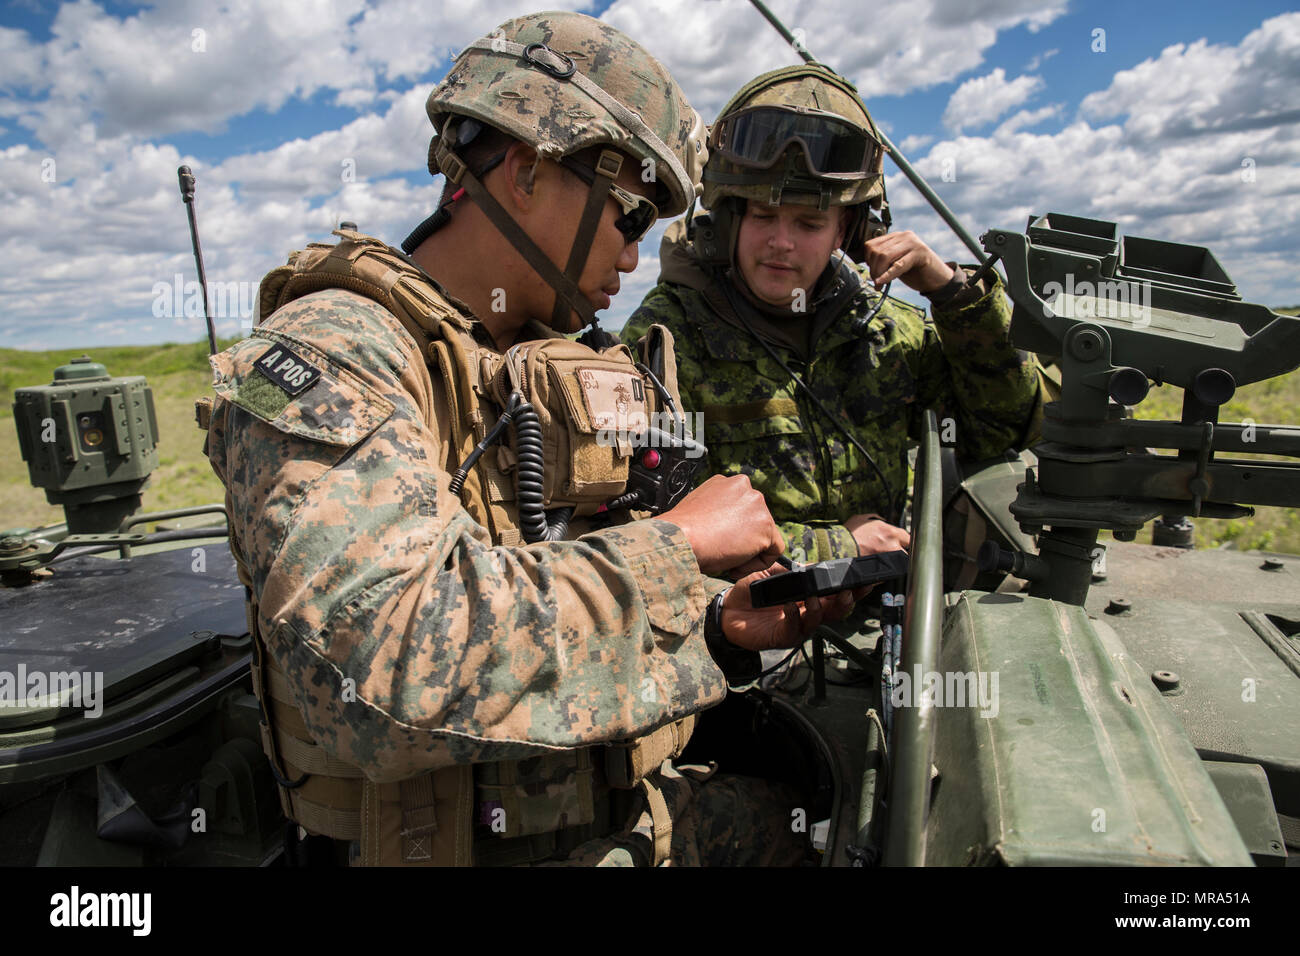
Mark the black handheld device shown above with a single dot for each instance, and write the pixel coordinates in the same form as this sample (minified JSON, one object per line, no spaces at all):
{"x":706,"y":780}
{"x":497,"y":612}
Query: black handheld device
{"x":827,"y":577}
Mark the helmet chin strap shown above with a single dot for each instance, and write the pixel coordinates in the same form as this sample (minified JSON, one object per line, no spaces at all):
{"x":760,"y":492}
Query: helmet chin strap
{"x":568,"y":296}
{"x":607,"y":169}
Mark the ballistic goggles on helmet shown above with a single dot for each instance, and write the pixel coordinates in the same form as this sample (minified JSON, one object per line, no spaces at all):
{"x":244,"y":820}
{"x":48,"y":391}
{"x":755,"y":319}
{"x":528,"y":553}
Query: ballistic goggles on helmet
{"x":639,"y":213}
{"x":759,"y":135}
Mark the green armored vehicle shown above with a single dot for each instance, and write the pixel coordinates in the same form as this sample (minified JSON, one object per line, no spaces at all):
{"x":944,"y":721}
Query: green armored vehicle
{"x":1066,"y":701}
{"x":129,"y":735}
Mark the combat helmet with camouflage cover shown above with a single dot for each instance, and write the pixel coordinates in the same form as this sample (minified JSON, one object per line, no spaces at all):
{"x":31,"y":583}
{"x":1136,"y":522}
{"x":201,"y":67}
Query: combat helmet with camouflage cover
{"x":563,"y":83}
{"x":800,"y":134}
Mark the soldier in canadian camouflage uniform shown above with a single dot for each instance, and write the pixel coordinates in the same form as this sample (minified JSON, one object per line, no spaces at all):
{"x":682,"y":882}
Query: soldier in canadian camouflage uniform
{"x":806,"y":379}
{"x":434,"y":689}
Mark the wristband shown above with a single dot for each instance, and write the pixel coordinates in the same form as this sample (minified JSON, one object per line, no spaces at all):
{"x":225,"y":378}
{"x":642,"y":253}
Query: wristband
{"x":738,"y":666}
{"x":713,"y":634}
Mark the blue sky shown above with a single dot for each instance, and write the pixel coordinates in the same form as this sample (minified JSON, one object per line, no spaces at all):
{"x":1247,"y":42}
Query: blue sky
{"x":270,"y":101}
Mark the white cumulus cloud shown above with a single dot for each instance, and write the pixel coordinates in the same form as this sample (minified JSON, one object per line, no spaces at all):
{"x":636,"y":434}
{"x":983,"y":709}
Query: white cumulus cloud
{"x":192,"y":65}
{"x":1196,"y":89}
{"x":1040,"y":59}
{"x":981,"y":100}
{"x":714,"y":47}
{"x":1198,"y":144}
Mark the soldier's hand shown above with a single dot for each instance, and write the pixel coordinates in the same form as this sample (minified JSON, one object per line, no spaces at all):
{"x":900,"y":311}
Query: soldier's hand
{"x":875,"y":535}
{"x":902,"y":255}
{"x":761,"y":629}
{"x":728,"y":524}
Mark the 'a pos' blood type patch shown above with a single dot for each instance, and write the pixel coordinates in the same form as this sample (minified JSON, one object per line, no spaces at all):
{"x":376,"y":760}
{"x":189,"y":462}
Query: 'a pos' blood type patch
{"x":283,"y":367}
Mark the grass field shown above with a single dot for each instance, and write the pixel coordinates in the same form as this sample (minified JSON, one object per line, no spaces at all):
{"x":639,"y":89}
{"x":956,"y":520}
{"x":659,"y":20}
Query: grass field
{"x":179,"y":374}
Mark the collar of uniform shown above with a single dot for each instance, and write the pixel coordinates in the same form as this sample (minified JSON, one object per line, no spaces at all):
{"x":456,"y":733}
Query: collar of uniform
{"x":455,"y":303}
{"x":470,"y":325}
{"x":724,"y":336}
{"x":532,"y":329}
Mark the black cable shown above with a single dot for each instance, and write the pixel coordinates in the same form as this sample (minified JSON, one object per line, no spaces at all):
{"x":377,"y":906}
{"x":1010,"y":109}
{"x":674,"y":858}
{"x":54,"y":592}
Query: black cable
{"x":784,"y":685}
{"x":664,"y":394}
{"x":462,"y":472}
{"x":440,"y":217}
{"x":861,"y":322}
{"x":834,"y":683}
{"x":627,"y":500}
{"x":531,"y":475}
{"x":781,"y":663}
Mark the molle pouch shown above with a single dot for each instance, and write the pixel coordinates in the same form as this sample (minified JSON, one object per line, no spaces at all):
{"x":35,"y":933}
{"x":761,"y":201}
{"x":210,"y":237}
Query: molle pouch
{"x":628,"y":761}
{"x":537,"y":795}
{"x":592,"y":408}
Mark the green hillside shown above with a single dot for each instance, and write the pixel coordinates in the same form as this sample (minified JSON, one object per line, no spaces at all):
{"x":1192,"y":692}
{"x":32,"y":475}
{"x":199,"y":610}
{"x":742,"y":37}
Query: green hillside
{"x":179,"y":373}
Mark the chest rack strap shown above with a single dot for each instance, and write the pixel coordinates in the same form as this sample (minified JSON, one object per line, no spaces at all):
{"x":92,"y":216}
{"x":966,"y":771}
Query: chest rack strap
{"x":607,"y":170}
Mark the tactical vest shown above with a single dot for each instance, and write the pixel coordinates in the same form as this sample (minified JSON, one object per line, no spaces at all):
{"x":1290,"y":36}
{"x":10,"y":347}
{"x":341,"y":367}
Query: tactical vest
{"x":511,"y":811}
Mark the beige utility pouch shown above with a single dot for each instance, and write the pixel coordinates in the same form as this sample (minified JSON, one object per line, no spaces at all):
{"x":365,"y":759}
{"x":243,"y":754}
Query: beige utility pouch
{"x":590,"y":406}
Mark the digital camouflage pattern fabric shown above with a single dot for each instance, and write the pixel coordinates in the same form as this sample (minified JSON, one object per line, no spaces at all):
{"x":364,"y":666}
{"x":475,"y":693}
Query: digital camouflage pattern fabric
{"x":411,"y":641}
{"x":718,"y":820}
{"x":589,"y":84}
{"x":880,"y":380}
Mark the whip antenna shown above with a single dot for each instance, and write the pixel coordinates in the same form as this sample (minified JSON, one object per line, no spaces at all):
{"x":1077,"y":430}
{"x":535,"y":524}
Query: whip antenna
{"x":187,"y":194}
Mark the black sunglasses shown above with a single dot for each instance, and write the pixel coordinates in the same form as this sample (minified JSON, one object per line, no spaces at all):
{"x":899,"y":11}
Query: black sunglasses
{"x":639,"y":213}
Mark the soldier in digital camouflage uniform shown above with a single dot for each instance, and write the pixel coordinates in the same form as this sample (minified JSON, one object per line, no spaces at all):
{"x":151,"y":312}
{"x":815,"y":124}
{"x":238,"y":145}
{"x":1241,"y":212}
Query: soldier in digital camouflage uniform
{"x":756,"y":295}
{"x":434,"y":690}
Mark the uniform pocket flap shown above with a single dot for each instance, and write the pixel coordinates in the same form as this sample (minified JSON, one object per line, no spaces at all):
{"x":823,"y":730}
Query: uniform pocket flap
{"x":600,"y":397}
{"x":295,"y":388}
